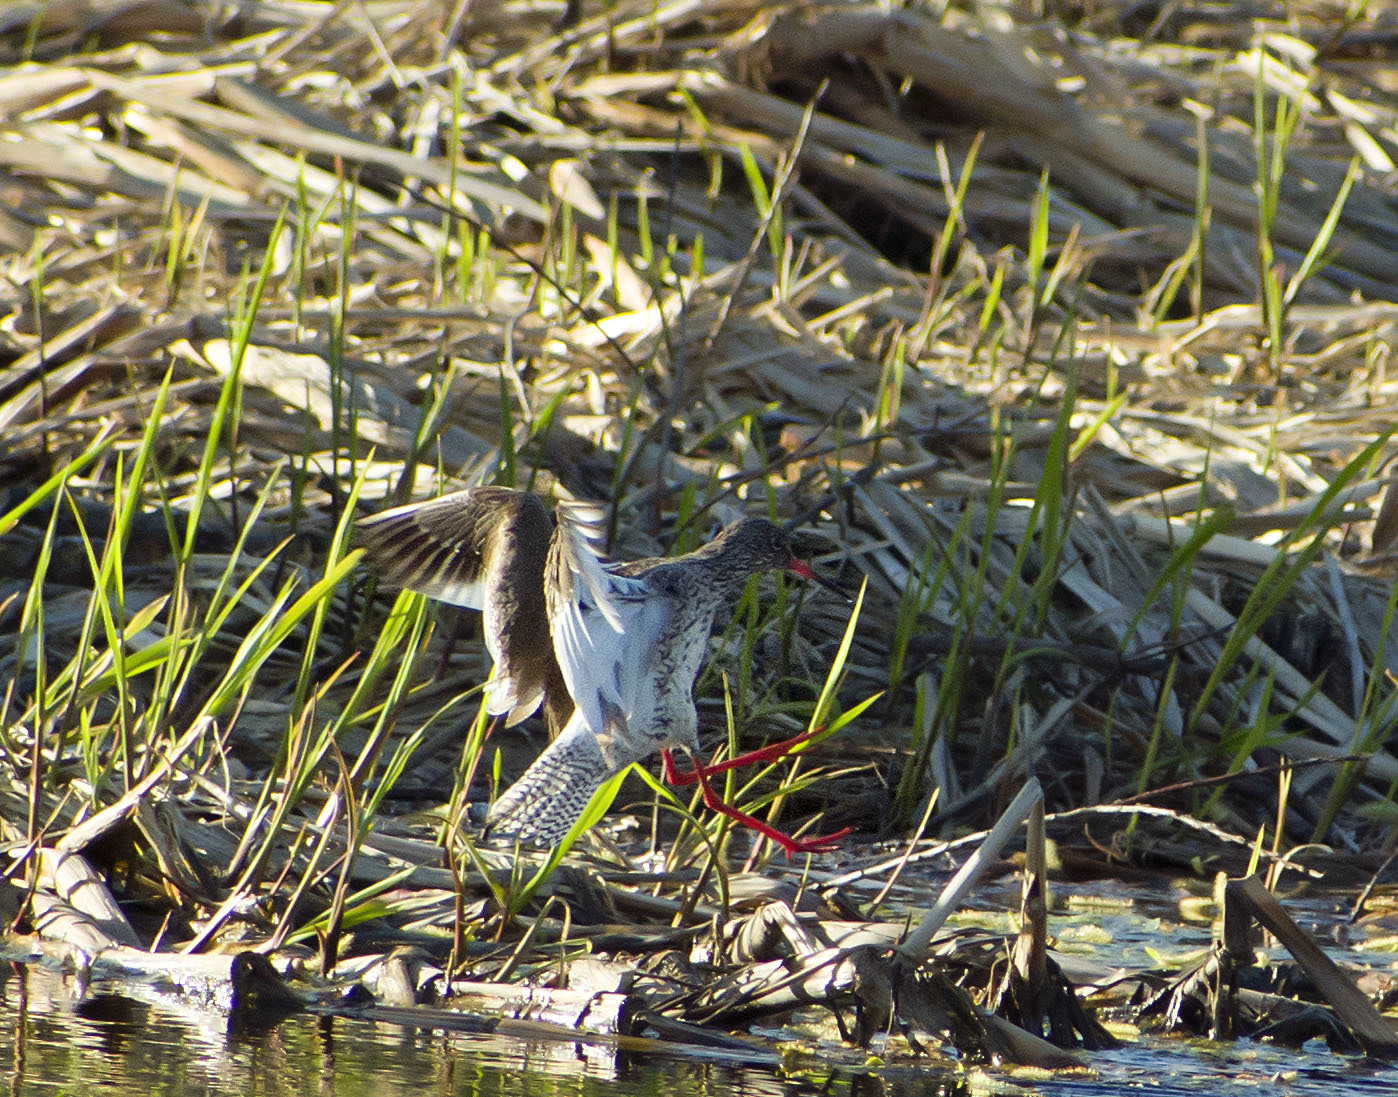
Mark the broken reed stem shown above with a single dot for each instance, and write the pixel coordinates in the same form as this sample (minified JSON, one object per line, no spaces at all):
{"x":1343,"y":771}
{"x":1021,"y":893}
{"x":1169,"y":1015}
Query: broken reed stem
{"x":914,"y":949}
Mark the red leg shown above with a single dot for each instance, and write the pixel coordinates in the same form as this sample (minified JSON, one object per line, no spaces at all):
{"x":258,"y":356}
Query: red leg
{"x":770,"y":753}
{"x":714,"y":802}
{"x":674,"y":776}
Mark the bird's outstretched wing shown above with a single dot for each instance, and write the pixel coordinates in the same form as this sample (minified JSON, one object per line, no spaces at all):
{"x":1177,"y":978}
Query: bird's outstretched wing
{"x":606,"y":628}
{"x":575,"y":567}
{"x":483,"y":548}
{"x":442,"y":547}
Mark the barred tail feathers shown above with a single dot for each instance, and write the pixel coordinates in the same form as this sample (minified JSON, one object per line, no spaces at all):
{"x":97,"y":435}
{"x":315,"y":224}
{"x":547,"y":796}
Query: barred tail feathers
{"x":542,"y":806}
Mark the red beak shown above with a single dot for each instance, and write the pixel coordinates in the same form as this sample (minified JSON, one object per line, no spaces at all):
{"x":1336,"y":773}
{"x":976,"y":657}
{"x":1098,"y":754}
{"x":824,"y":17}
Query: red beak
{"x":803,"y":569}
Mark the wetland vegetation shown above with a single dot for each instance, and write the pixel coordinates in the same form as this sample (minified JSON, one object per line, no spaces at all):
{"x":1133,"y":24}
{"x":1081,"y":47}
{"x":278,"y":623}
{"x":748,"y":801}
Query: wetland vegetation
{"x":1062,"y":335}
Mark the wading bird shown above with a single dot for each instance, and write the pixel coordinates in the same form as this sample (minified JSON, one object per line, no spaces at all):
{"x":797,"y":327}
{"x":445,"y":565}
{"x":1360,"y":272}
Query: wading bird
{"x":611,"y":650}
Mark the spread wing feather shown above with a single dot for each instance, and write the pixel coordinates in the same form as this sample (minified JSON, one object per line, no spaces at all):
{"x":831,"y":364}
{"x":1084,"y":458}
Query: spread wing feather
{"x":606,"y":628}
{"x":483,"y":548}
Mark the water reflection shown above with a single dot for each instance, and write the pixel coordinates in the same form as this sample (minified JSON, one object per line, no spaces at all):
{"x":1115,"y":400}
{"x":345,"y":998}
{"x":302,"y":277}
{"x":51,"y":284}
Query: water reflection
{"x":57,"y":1033}
{"x":60,"y":1036}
